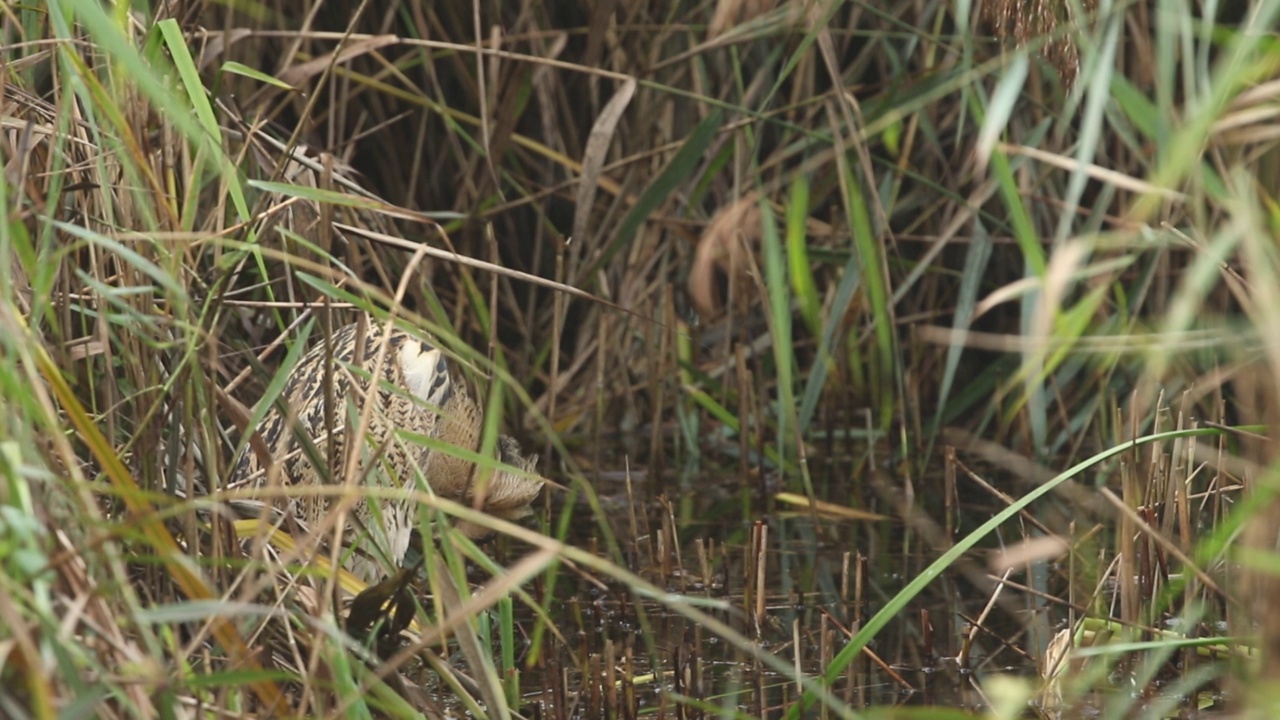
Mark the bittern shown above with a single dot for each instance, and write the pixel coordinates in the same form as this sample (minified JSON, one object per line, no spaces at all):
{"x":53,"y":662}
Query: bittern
{"x":417,"y":393}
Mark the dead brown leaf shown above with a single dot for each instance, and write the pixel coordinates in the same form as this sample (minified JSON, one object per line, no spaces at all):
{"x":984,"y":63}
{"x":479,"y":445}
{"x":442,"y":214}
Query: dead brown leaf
{"x":597,"y":150}
{"x":295,"y":75}
{"x":723,"y":247}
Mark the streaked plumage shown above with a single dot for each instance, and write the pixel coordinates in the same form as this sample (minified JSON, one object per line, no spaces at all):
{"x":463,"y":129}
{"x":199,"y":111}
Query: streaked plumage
{"x":416,"y":393}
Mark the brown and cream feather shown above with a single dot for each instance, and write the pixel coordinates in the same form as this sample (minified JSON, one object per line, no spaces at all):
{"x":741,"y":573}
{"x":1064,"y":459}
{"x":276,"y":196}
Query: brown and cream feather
{"x":416,"y":392}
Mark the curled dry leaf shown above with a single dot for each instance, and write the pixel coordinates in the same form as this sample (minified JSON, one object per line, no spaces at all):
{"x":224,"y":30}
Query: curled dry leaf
{"x":723,"y":246}
{"x":299,"y":73}
{"x":602,"y":132}
{"x":1038,"y":549}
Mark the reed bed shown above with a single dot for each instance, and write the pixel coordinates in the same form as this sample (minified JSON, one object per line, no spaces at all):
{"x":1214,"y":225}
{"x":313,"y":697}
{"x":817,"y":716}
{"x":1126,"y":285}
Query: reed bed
{"x":876,"y":354}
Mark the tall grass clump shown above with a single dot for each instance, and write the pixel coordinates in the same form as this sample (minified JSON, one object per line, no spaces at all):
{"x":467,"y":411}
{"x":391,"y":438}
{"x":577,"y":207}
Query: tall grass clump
{"x":861,"y":343}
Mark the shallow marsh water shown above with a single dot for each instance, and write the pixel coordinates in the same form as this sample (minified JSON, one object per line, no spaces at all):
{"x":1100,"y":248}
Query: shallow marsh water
{"x":784,"y":584}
